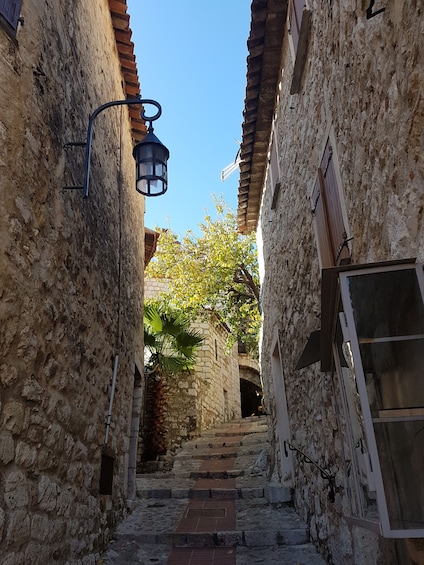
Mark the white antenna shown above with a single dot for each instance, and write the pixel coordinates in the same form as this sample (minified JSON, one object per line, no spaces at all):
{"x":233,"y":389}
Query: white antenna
{"x":229,"y":169}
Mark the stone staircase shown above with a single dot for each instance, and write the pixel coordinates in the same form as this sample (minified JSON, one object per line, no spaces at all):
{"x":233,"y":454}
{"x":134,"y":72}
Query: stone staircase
{"x":216,"y":507}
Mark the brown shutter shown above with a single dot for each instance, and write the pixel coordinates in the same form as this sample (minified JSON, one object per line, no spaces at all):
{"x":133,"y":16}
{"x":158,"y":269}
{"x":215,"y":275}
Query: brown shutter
{"x":10,"y":10}
{"x":331,"y":194}
{"x":318,"y":209}
{"x":273,"y":163}
{"x":296,"y":12}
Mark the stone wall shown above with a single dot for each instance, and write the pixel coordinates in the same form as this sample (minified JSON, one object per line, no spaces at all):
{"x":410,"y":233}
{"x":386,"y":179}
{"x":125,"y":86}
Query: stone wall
{"x":207,"y":395}
{"x":217,"y":379}
{"x":71,"y":271}
{"x":362,"y":83}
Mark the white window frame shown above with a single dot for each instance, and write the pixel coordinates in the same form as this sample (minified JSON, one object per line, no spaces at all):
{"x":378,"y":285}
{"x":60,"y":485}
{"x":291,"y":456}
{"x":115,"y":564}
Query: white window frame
{"x":375,"y":472}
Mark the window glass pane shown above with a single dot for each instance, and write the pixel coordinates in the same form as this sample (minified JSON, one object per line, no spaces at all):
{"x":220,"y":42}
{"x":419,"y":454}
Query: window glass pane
{"x":387,"y":304}
{"x":145,"y":169}
{"x":394,"y":374}
{"x":401,"y":452}
{"x":142,"y":170}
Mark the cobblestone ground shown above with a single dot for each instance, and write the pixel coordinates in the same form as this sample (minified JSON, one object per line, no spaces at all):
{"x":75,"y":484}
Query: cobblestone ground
{"x":215,"y":508}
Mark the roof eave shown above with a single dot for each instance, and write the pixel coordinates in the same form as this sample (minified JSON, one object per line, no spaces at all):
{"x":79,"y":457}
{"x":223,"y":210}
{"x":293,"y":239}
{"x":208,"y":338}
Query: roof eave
{"x":125,"y":47}
{"x":268,"y":23}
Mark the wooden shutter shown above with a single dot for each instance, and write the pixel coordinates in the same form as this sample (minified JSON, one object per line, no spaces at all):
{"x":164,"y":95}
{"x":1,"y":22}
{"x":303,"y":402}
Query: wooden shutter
{"x":275,"y":172}
{"x":331,"y":193}
{"x":10,"y":10}
{"x":326,"y":205}
{"x":296,"y":13}
{"x":323,"y":238}
{"x":273,"y":163}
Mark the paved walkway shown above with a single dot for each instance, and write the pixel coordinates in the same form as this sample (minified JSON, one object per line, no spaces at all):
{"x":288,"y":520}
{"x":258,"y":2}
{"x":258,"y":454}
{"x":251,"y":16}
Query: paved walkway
{"x":214,"y":508}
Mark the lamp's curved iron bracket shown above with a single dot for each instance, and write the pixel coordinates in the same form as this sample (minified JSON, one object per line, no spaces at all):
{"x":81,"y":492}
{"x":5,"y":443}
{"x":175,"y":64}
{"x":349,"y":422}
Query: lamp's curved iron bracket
{"x":88,"y":142}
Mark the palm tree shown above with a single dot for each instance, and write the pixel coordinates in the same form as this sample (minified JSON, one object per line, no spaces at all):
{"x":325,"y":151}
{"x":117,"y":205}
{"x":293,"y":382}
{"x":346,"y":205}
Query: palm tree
{"x":171,"y":344}
{"x":170,"y":347}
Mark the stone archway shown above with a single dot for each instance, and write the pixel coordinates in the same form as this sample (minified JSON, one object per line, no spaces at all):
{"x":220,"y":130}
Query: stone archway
{"x":250,"y":386}
{"x":251,"y":399}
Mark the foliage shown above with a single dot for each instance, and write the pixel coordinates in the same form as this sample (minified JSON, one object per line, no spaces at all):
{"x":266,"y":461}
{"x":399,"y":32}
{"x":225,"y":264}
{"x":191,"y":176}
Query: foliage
{"x":168,"y":338}
{"x":215,"y":271}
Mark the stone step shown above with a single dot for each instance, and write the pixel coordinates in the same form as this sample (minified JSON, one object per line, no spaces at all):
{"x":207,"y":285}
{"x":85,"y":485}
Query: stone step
{"x":217,"y":474}
{"x":273,"y":494}
{"x":207,"y":443}
{"x":258,"y":524}
{"x":239,"y":538}
{"x":304,"y":554}
{"x":204,"y":454}
{"x":245,"y":513}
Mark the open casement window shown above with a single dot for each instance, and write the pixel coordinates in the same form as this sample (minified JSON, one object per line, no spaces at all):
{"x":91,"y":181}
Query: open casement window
{"x":331,"y":231}
{"x":9,"y":13}
{"x":299,"y":24}
{"x":379,"y":354}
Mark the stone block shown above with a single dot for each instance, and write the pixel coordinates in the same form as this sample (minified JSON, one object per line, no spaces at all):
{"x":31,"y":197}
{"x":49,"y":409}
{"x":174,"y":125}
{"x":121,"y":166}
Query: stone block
{"x":7,"y":447}
{"x":228,"y":539}
{"x":295,"y":536}
{"x":277,"y":494}
{"x":16,"y":490}
{"x":26,"y":455}
{"x":180,"y":493}
{"x":260,"y":538}
{"x":12,"y":417}
{"x":248,"y":493}
{"x":18,"y":529}
{"x":47,"y":494}
{"x":32,"y":390}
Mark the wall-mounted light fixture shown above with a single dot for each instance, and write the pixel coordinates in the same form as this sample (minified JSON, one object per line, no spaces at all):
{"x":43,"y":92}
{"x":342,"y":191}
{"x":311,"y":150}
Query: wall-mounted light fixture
{"x":150,"y":155}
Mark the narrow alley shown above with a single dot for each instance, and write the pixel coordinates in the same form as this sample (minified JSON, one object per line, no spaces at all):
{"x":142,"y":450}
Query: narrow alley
{"x":216,"y":507}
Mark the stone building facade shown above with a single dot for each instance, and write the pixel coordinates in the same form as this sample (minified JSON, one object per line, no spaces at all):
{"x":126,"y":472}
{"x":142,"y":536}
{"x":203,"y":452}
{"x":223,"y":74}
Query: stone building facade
{"x":71,"y":278}
{"x":332,"y":177}
{"x":207,"y":395}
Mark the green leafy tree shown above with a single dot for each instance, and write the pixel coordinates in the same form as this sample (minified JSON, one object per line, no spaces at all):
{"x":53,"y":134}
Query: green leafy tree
{"x":171,"y":344}
{"x":214,"y":271}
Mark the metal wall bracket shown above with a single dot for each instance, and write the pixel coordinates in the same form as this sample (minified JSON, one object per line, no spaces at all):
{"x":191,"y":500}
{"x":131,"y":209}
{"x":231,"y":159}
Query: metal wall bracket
{"x":326,"y":475}
{"x":370,"y":13}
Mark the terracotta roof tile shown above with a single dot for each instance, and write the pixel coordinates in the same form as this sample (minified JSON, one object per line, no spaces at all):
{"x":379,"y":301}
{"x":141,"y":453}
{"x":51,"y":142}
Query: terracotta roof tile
{"x":123,"y":33}
{"x":265,"y":41}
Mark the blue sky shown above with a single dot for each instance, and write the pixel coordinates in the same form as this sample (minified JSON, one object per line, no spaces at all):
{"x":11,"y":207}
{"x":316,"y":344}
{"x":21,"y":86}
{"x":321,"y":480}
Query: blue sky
{"x":191,"y":58}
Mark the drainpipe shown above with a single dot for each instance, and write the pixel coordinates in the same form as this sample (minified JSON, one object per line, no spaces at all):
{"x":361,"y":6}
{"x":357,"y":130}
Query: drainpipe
{"x":112,"y":394}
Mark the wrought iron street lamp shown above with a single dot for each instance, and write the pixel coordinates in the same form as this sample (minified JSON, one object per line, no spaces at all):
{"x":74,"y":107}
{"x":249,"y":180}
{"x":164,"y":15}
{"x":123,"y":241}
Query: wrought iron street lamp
{"x":150,"y":154}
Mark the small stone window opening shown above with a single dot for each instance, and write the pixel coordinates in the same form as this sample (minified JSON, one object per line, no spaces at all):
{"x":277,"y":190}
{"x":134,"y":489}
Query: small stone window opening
{"x":106,"y":474}
{"x":216,"y":350}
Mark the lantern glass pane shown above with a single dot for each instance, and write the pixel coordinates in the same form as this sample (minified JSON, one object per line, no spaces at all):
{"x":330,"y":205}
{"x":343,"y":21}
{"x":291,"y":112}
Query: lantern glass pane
{"x":145,"y":152}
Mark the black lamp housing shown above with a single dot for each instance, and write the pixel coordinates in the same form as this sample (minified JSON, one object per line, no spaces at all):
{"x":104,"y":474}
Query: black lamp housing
{"x":151,"y":158}
{"x":150,"y":154}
